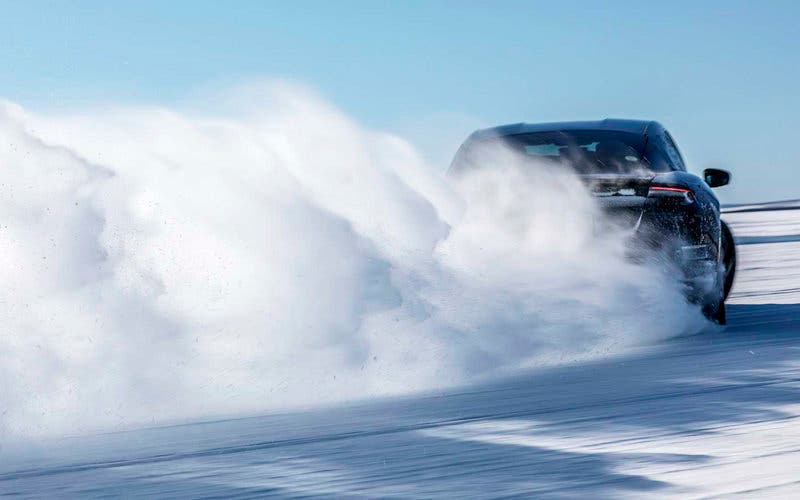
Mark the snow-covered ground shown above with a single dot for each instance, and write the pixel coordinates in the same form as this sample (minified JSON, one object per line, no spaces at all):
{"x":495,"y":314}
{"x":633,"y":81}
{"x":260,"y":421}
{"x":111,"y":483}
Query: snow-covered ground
{"x":714,"y":414}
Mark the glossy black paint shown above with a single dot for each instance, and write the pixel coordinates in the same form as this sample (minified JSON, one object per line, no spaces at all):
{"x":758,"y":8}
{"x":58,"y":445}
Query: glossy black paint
{"x":715,"y":177}
{"x":693,"y":223}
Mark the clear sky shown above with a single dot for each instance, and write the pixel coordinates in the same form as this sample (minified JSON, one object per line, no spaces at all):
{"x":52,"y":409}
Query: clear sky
{"x":722,"y":76}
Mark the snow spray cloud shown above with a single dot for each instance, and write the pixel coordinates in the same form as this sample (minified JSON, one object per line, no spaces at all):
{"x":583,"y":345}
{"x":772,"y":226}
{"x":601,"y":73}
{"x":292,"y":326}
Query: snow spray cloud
{"x":159,"y":265}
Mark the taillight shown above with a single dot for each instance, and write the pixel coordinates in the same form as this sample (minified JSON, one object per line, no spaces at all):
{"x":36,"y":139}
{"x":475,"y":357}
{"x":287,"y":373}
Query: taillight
{"x":677,"y":193}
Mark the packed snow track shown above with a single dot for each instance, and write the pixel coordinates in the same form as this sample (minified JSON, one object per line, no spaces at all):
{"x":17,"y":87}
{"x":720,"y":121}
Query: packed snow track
{"x":713,"y":414}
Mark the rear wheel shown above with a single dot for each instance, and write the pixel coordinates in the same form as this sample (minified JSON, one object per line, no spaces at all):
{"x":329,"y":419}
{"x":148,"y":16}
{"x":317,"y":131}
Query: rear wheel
{"x":716,"y":313}
{"x":728,"y":258}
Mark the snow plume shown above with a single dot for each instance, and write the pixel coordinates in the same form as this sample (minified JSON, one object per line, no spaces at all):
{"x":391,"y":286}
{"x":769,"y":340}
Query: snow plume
{"x":160,"y":265}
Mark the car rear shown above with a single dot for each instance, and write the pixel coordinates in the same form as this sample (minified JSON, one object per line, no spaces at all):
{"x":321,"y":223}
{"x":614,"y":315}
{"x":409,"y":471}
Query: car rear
{"x":667,"y":214}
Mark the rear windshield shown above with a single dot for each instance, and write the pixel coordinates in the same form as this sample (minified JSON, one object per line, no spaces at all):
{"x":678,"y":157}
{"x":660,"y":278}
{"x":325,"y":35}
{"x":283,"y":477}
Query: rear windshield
{"x":587,"y":151}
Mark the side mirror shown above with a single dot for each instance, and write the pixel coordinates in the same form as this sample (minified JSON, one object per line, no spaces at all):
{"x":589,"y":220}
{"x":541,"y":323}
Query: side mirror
{"x":715,"y":177}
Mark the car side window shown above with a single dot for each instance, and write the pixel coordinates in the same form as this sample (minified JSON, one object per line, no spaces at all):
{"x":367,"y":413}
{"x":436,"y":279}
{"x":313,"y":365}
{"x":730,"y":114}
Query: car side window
{"x":672,"y":152}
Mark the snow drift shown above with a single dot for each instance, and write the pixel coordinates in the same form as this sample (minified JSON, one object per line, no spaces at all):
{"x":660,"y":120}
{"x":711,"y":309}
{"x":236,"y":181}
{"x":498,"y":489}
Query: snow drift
{"x":161,"y":264}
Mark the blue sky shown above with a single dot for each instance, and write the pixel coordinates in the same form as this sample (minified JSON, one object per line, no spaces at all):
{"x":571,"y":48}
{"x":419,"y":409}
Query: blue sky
{"x":722,"y":76}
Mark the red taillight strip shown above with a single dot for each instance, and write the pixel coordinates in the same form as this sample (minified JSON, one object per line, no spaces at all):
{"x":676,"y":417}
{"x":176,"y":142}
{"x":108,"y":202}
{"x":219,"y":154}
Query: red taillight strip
{"x":665,"y":188}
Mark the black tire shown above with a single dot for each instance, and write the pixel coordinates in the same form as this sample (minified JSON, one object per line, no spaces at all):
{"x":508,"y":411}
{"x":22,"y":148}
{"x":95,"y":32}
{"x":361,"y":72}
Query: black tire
{"x":728,"y":258}
{"x":716,"y":313}
{"x":719,"y":317}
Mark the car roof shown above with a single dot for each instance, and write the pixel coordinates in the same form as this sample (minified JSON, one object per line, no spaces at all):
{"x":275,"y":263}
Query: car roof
{"x":612,"y":124}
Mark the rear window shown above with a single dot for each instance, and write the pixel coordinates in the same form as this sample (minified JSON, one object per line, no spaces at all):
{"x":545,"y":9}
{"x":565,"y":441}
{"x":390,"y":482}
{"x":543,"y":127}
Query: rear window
{"x":586,"y":151}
